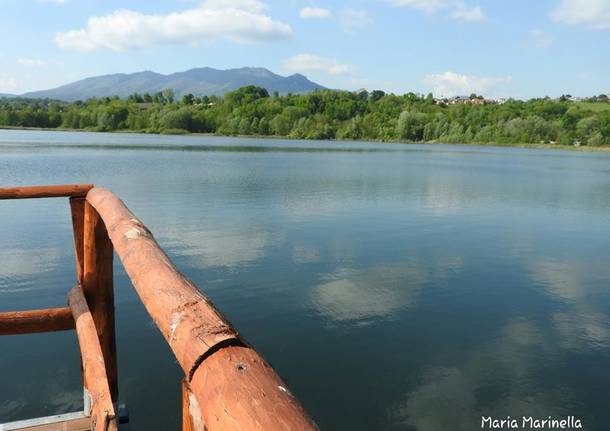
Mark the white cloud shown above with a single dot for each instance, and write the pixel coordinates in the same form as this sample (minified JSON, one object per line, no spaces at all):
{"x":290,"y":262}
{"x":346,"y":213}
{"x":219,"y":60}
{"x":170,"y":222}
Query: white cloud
{"x":465,"y":13}
{"x":458,"y":10}
{"x":314,"y":63}
{"x":314,"y":12}
{"x":450,"y":84}
{"x":235,"y":20}
{"x":251,"y":5}
{"x":352,"y":19}
{"x":540,"y":38}
{"x":7,"y":84}
{"x":592,"y":13}
{"x":428,"y":6}
{"x":31,"y":62}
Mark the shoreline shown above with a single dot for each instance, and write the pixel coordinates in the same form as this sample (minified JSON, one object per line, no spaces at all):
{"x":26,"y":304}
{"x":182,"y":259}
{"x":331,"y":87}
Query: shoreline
{"x":584,"y":148}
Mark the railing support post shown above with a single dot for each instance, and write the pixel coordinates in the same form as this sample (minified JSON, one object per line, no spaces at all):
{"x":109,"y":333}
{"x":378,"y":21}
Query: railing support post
{"x":77,"y":209}
{"x":98,"y":288}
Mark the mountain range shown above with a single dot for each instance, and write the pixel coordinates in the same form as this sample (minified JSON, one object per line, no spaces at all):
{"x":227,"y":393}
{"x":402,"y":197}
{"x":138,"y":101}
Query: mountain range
{"x":199,"y":82}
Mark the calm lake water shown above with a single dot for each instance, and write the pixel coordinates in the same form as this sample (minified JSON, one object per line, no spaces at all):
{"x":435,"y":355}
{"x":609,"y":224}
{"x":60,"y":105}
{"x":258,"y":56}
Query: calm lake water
{"x":394,"y":287}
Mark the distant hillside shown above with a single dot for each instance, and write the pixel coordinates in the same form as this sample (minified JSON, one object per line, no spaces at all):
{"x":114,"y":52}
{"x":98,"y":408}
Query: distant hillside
{"x":6,"y":95}
{"x":200,"y":81}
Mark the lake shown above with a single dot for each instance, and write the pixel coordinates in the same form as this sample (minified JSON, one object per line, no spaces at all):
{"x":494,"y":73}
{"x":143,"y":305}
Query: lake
{"x":393,"y":286}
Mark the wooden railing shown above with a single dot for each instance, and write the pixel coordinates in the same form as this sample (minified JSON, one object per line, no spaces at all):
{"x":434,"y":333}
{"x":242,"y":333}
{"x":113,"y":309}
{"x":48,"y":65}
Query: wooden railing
{"x":227,"y":384}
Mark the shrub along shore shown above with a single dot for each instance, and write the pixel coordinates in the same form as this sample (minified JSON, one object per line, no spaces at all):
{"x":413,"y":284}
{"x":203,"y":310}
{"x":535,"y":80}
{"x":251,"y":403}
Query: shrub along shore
{"x":327,"y":114}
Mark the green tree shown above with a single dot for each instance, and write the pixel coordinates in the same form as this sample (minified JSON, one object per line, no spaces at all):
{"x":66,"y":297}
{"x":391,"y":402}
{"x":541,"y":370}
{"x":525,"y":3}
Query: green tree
{"x":187,"y":99}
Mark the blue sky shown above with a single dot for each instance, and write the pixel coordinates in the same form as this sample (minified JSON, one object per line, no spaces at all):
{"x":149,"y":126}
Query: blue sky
{"x":518,"y":48}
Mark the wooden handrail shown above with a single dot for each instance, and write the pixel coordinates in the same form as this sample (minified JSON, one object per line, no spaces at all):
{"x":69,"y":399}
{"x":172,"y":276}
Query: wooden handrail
{"x":188,"y":320}
{"x":103,"y":417}
{"x":227,"y":384}
{"x":35,"y":192}
{"x":33,"y":321}
{"x":234,"y":386}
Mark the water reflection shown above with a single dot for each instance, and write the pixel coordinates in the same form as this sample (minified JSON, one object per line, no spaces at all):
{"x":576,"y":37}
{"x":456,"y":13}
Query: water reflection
{"x":519,"y":369}
{"x":498,"y":378}
{"x":355,"y":294}
{"x":446,"y":401}
{"x":477,"y":277}
{"x":11,"y":408}
{"x":563,"y":280}
{"x":24,"y":262}
{"x":584,"y":320}
{"x":228,"y":246}
{"x":583,"y":327}
{"x":304,"y":254}
{"x":380,"y":291}
{"x":70,"y":401}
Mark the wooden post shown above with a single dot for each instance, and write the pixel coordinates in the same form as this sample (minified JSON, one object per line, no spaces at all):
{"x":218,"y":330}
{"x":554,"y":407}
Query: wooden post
{"x":77,"y":208}
{"x":103,"y":416}
{"x":98,"y":288}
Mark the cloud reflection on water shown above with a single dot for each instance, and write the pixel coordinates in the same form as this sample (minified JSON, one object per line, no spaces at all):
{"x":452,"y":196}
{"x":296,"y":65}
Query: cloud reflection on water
{"x":358,"y":294}
{"x":228,"y":246}
{"x":505,"y":373}
{"x":498,"y":378}
{"x":584,"y":320}
{"x":17,"y":264}
{"x":302,"y":254}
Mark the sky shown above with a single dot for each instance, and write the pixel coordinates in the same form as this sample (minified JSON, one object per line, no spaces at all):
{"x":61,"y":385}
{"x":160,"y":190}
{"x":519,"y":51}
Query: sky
{"x":499,"y":48}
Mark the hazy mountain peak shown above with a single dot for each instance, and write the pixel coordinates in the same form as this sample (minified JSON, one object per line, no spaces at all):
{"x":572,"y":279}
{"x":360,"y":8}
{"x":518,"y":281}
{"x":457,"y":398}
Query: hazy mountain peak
{"x":198,"y":81}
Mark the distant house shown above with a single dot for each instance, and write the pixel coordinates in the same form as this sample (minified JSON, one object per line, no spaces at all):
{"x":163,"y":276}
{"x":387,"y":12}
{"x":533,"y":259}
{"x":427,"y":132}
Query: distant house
{"x":462,"y":100}
{"x":459,"y":100}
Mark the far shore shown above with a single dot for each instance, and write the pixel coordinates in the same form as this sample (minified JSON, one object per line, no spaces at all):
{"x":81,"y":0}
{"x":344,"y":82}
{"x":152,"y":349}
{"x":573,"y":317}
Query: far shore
{"x":584,"y":148}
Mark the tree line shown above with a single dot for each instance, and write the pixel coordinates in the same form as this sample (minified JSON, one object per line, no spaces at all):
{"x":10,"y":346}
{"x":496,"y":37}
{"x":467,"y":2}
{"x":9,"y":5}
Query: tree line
{"x":327,"y":114}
